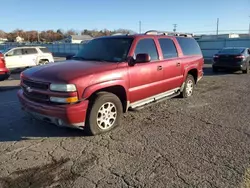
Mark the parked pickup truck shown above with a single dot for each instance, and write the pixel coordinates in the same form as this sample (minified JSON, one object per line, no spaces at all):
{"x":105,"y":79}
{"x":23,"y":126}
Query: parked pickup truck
{"x":110,"y":76}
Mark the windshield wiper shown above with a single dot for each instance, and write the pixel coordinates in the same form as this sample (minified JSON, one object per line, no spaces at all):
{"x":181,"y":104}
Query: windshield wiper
{"x":96,"y":59}
{"x":78,"y":58}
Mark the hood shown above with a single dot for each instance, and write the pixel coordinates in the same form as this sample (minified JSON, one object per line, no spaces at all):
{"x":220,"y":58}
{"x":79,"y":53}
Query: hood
{"x":67,"y":71}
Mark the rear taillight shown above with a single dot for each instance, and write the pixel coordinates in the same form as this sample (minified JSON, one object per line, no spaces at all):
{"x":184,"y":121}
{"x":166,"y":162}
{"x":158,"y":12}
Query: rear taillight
{"x":240,"y":57}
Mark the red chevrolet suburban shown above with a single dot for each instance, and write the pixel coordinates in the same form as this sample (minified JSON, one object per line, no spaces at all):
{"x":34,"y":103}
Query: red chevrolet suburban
{"x":109,"y":76}
{"x":4,"y":72}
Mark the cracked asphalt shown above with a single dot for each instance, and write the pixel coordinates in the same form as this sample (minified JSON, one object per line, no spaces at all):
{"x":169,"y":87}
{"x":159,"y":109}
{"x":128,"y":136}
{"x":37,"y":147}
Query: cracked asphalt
{"x":201,"y":142}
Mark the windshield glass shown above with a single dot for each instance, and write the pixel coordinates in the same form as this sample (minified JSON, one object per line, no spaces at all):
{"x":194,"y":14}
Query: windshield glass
{"x":232,"y":51}
{"x":105,"y":49}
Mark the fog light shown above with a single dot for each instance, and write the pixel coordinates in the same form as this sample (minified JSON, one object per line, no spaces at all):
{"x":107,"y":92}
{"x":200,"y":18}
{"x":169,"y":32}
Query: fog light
{"x":60,"y":122}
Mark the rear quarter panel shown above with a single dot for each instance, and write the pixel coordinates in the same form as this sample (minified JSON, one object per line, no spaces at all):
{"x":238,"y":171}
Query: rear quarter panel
{"x":192,"y":62}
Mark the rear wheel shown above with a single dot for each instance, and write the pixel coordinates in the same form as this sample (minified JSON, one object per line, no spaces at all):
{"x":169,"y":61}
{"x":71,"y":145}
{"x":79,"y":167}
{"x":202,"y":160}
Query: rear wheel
{"x":189,"y":87}
{"x":104,"y":113}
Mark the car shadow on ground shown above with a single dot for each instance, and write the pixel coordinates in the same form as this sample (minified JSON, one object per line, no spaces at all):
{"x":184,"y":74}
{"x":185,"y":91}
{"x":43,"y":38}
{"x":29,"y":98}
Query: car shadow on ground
{"x":30,"y":129}
{"x":7,"y":88}
{"x":208,"y":71}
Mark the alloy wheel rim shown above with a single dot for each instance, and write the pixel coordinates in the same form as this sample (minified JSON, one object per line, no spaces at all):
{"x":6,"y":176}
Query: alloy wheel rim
{"x":106,"y":115}
{"x":189,"y":88}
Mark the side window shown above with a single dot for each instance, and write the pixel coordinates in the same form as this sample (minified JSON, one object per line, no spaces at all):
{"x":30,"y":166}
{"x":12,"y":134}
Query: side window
{"x":189,"y":46}
{"x":29,"y":51}
{"x":17,"y":52}
{"x":147,"y":46}
{"x":168,"y":48}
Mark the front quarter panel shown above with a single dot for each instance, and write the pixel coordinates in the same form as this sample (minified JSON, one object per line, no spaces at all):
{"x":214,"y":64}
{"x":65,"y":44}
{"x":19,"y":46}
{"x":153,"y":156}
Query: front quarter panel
{"x":99,"y":86}
{"x":102,"y":80}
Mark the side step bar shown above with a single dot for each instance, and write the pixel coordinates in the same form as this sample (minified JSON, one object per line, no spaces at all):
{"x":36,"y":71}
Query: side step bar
{"x":153,"y":100}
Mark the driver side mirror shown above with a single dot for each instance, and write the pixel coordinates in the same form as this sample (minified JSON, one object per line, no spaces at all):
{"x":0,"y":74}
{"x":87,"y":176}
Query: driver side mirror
{"x":140,"y":58}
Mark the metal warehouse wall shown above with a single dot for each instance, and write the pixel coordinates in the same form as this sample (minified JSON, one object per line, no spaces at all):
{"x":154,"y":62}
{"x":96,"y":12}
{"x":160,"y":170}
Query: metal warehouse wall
{"x":210,"y":47}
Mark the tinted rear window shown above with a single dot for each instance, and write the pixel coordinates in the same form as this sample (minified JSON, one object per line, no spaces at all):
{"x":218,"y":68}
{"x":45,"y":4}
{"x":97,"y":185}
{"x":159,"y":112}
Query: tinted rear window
{"x":189,"y":46}
{"x":232,"y":51}
{"x":44,"y":50}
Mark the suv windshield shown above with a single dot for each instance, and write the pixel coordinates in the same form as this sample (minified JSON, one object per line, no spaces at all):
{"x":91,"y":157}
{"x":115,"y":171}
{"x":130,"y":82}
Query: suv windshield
{"x":105,"y":49}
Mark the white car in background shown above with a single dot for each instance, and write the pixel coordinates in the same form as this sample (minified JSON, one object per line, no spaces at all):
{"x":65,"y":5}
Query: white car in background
{"x":22,"y":57}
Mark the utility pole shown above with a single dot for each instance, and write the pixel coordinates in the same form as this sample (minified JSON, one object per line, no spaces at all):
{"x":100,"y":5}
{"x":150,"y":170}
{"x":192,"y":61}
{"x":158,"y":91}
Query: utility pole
{"x":217,"y":30}
{"x":249,"y":27}
{"x":175,"y":26}
{"x":139,"y":27}
{"x":38,"y":37}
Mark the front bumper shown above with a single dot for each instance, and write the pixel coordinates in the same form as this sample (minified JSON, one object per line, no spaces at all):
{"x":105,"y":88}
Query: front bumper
{"x":61,"y":115}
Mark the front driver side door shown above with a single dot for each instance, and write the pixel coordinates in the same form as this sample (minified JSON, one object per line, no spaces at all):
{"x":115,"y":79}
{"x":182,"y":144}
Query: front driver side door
{"x":13,"y":58}
{"x":145,"y":78}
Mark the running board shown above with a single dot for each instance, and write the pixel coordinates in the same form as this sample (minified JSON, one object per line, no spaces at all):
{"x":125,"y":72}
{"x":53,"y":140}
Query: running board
{"x":155,"y":99}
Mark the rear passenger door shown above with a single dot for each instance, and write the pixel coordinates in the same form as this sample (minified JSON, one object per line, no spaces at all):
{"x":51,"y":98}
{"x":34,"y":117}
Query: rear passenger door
{"x":29,"y":57}
{"x":145,"y":78}
{"x":172,"y":65}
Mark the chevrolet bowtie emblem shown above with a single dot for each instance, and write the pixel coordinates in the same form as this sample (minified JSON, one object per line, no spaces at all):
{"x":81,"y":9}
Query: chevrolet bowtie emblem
{"x":29,"y":89}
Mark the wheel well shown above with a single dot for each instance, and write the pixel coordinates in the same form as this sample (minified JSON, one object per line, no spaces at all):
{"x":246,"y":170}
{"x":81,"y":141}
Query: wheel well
{"x":118,"y":90}
{"x":43,"y":60}
{"x":194,"y":73}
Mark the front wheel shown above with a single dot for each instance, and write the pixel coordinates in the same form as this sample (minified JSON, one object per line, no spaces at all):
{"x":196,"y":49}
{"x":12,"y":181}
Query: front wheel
{"x":104,"y":113}
{"x":188,"y":87}
{"x":43,"y":62}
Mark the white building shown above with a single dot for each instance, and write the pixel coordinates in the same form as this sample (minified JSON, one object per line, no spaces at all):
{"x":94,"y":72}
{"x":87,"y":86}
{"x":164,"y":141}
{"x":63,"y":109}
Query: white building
{"x":77,"y":39}
{"x":220,"y":36}
{"x":19,"y":39}
{"x":3,"y":40}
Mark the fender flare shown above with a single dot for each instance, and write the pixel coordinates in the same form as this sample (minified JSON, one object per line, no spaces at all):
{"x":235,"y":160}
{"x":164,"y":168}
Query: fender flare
{"x":88,"y":91}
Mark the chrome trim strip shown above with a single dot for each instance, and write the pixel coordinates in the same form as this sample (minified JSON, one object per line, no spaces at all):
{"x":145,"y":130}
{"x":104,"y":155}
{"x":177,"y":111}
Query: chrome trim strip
{"x":153,"y":98}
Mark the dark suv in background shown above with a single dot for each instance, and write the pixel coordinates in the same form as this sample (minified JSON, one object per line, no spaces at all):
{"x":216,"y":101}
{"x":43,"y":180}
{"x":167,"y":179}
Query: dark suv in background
{"x":232,"y":58}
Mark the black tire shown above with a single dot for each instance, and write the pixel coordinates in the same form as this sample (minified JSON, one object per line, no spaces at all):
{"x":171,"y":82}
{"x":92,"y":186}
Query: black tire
{"x":43,"y":62}
{"x":247,"y":69}
{"x":93,"y":126}
{"x":185,"y":93}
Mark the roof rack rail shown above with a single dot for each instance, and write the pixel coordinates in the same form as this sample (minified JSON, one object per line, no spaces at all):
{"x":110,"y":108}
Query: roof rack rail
{"x":169,"y":33}
{"x":120,"y":34}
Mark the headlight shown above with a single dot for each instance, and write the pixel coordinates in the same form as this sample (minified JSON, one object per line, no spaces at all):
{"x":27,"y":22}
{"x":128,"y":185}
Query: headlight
{"x":63,"y":87}
{"x":64,"y":100}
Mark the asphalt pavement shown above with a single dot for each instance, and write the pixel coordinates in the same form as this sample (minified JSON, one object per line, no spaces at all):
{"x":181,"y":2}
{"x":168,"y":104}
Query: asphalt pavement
{"x":203,"y":141}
